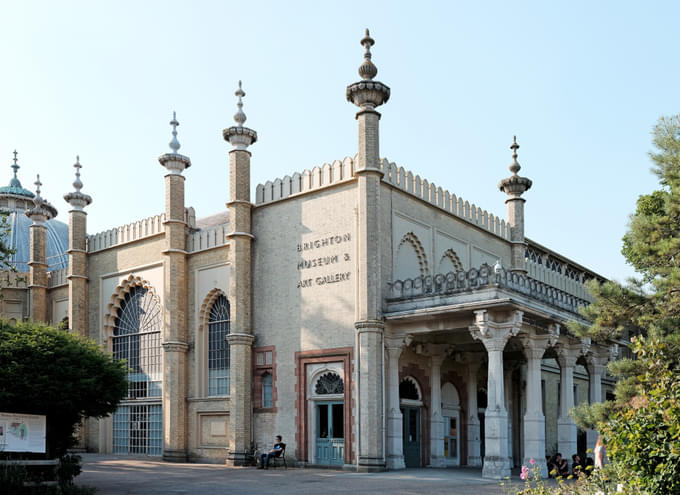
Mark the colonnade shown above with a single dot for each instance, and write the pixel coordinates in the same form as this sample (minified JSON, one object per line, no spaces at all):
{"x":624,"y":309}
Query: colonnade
{"x":494,"y":331}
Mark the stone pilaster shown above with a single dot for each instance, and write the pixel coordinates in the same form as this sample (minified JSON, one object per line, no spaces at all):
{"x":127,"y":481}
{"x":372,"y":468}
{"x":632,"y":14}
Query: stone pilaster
{"x":596,"y":365}
{"x":494,"y":333}
{"x":507,"y":377}
{"x":395,"y":432}
{"x":567,"y":356}
{"x":37,"y":276}
{"x":174,"y":337}
{"x":534,"y":418}
{"x":473,"y":431}
{"x":367,"y":95}
{"x":240,"y":288}
{"x":77,"y":257}
{"x":514,"y":186}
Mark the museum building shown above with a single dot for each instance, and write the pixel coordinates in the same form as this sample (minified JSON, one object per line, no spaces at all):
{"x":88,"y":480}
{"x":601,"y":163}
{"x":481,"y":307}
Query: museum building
{"x":373,"y":319}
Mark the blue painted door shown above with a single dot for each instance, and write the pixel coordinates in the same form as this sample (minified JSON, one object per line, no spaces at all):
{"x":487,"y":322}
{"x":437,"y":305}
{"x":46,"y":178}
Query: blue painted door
{"x":330,"y":433}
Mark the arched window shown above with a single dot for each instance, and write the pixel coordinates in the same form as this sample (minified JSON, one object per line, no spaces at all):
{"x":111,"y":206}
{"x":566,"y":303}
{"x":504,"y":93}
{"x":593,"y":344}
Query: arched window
{"x":137,"y":339}
{"x":267,"y":391}
{"x":218,"y":348}
{"x":408,"y":390}
{"x":329,"y":383}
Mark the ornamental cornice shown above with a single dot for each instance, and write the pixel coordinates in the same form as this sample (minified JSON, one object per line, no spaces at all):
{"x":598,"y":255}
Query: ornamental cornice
{"x":174,"y":162}
{"x":492,"y":334}
{"x":77,"y":200}
{"x":239,"y":137}
{"x":368,"y":94}
{"x":515,"y":186}
{"x":369,"y":326}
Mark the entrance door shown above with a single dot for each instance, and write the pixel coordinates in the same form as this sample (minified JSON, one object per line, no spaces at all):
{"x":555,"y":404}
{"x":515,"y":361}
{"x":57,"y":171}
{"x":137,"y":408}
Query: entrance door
{"x":330,"y":433}
{"x":411,"y":432}
{"x":451,"y":439}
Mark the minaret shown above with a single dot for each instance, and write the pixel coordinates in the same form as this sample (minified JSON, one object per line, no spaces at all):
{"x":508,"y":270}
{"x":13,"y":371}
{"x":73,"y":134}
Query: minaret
{"x":175,"y":304}
{"x":37,"y":277}
{"x":77,"y":256}
{"x":514,"y":186}
{"x":240,"y":336}
{"x":367,"y":95}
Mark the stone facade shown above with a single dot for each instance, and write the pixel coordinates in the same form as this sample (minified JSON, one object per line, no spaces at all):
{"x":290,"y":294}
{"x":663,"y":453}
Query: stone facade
{"x":372,"y":319}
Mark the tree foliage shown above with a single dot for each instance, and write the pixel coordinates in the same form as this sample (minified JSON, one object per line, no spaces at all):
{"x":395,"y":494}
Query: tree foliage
{"x":62,"y":376}
{"x":642,"y":425}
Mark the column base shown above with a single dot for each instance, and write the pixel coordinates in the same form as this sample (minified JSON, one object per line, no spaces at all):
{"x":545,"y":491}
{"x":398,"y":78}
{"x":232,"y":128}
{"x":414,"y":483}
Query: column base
{"x":566,"y":437}
{"x":474,"y":461}
{"x":174,"y":455}
{"x":437,"y":462}
{"x":395,"y":462}
{"x":371,"y":465}
{"x":238,"y":459}
{"x":495,"y":468}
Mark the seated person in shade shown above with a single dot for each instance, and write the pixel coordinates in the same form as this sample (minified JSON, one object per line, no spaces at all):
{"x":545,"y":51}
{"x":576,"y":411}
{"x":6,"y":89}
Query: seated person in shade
{"x":278,"y":449}
{"x":577,"y":466}
{"x":561,"y":465}
{"x":551,"y":465}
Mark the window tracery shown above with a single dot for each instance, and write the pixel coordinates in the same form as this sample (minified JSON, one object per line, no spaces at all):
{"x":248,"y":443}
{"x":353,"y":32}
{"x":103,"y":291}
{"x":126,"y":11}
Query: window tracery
{"x":329,"y":383}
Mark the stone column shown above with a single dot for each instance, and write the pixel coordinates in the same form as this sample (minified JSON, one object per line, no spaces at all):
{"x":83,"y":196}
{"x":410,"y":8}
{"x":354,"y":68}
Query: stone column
{"x":174,"y":338}
{"x":395,"y":440}
{"x":77,"y":257}
{"x":367,"y":95}
{"x":597,"y":367}
{"x":240,"y":287}
{"x":507,"y":378}
{"x":494,"y":334}
{"x":37,"y":275}
{"x":436,"y":419}
{"x":566,"y":429}
{"x":473,"y":438}
{"x":534,"y":418}
{"x":514,"y":186}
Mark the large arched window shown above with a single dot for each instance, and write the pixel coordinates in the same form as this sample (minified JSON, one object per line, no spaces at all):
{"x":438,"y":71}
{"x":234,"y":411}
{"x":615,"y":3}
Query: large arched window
{"x":137,"y":339}
{"x":218,"y":348}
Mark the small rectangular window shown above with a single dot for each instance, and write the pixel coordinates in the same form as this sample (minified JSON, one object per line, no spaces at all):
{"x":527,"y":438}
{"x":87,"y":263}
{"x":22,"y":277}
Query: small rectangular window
{"x":268,"y":357}
{"x":259,"y":358}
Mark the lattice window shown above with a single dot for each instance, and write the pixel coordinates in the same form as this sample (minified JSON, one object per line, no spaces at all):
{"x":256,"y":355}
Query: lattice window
{"x":329,"y":383}
{"x":267,"y":390}
{"x":138,"y":429}
{"x":218,"y":348}
{"x":137,"y":339}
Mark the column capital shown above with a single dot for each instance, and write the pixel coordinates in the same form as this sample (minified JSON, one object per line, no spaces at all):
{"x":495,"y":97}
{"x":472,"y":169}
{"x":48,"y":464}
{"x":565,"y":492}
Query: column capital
{"x":175,"y":346}
{"x":569,"y":352}
{"x":240,"y":339}
{"x":536,"y":344}
{"x":495,"y":334}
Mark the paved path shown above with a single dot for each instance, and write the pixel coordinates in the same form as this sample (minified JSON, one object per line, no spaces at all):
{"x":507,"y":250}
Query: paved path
{"x":122,"y":476}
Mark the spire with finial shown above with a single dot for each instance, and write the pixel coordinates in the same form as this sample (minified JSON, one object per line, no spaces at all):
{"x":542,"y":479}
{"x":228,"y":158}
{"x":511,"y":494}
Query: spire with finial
{"x":15,"y":165}
{"x":514,"y":166}
{"x":240,"y":117}
{"x":368,"y":93}
{"x":37,"y":188}
{"x":367,"y":70}
{"x":514,"y":185}
{"x":239,"y":136}
{"x":174,"y":162}
{"x":77,"y":199}
{"x":174,"y":144}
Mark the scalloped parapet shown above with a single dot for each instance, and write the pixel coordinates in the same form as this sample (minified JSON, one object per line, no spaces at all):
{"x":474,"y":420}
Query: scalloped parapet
{"x":329,"y":174}
{"x":485,"y":277}
{"x":208,"y":238}
{"x":135,"y":231}
{"x":443,"y":199}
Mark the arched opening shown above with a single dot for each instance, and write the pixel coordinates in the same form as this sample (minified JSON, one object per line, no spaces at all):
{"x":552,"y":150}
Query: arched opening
{"x":411,"y":399}
{"x":451,"y":415}
{"x":329,"y":418}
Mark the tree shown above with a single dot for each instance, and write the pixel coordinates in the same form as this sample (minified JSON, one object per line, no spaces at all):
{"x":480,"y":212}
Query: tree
{"x":62,"y":376}
{"x":642,"y":425}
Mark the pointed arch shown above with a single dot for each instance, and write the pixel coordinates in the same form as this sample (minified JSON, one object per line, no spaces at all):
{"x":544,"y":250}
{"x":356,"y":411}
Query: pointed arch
{"x":410,"y":251}
{"x":450,"y":262}
{"x":214,"y":362}
{"x":410,"y":391}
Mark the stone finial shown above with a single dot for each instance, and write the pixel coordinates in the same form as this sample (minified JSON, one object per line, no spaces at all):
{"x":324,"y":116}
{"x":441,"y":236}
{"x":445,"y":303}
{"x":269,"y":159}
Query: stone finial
{"x":15,"y":165}
{"x":174,"y":144}
{"x":367,"y":93}
{"x":238,"y":136}
{"x":42,"y":210}
{"x":514,"y":186}
{"x":367,"y":70}
{"x":77,"y":199}
{"x":174,"y":162}
{"x":240,"y":117}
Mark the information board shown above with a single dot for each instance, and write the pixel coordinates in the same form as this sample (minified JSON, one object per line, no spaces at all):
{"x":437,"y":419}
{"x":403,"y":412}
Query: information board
{"x":22,"y":432}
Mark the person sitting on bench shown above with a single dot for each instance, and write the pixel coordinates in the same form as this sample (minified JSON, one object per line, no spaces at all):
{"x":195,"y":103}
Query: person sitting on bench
{"x":278,"y":449}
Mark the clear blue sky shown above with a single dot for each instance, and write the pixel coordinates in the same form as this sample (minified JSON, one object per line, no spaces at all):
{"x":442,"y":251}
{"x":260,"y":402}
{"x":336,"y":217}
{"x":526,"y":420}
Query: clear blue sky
{"x":580,"y":83}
